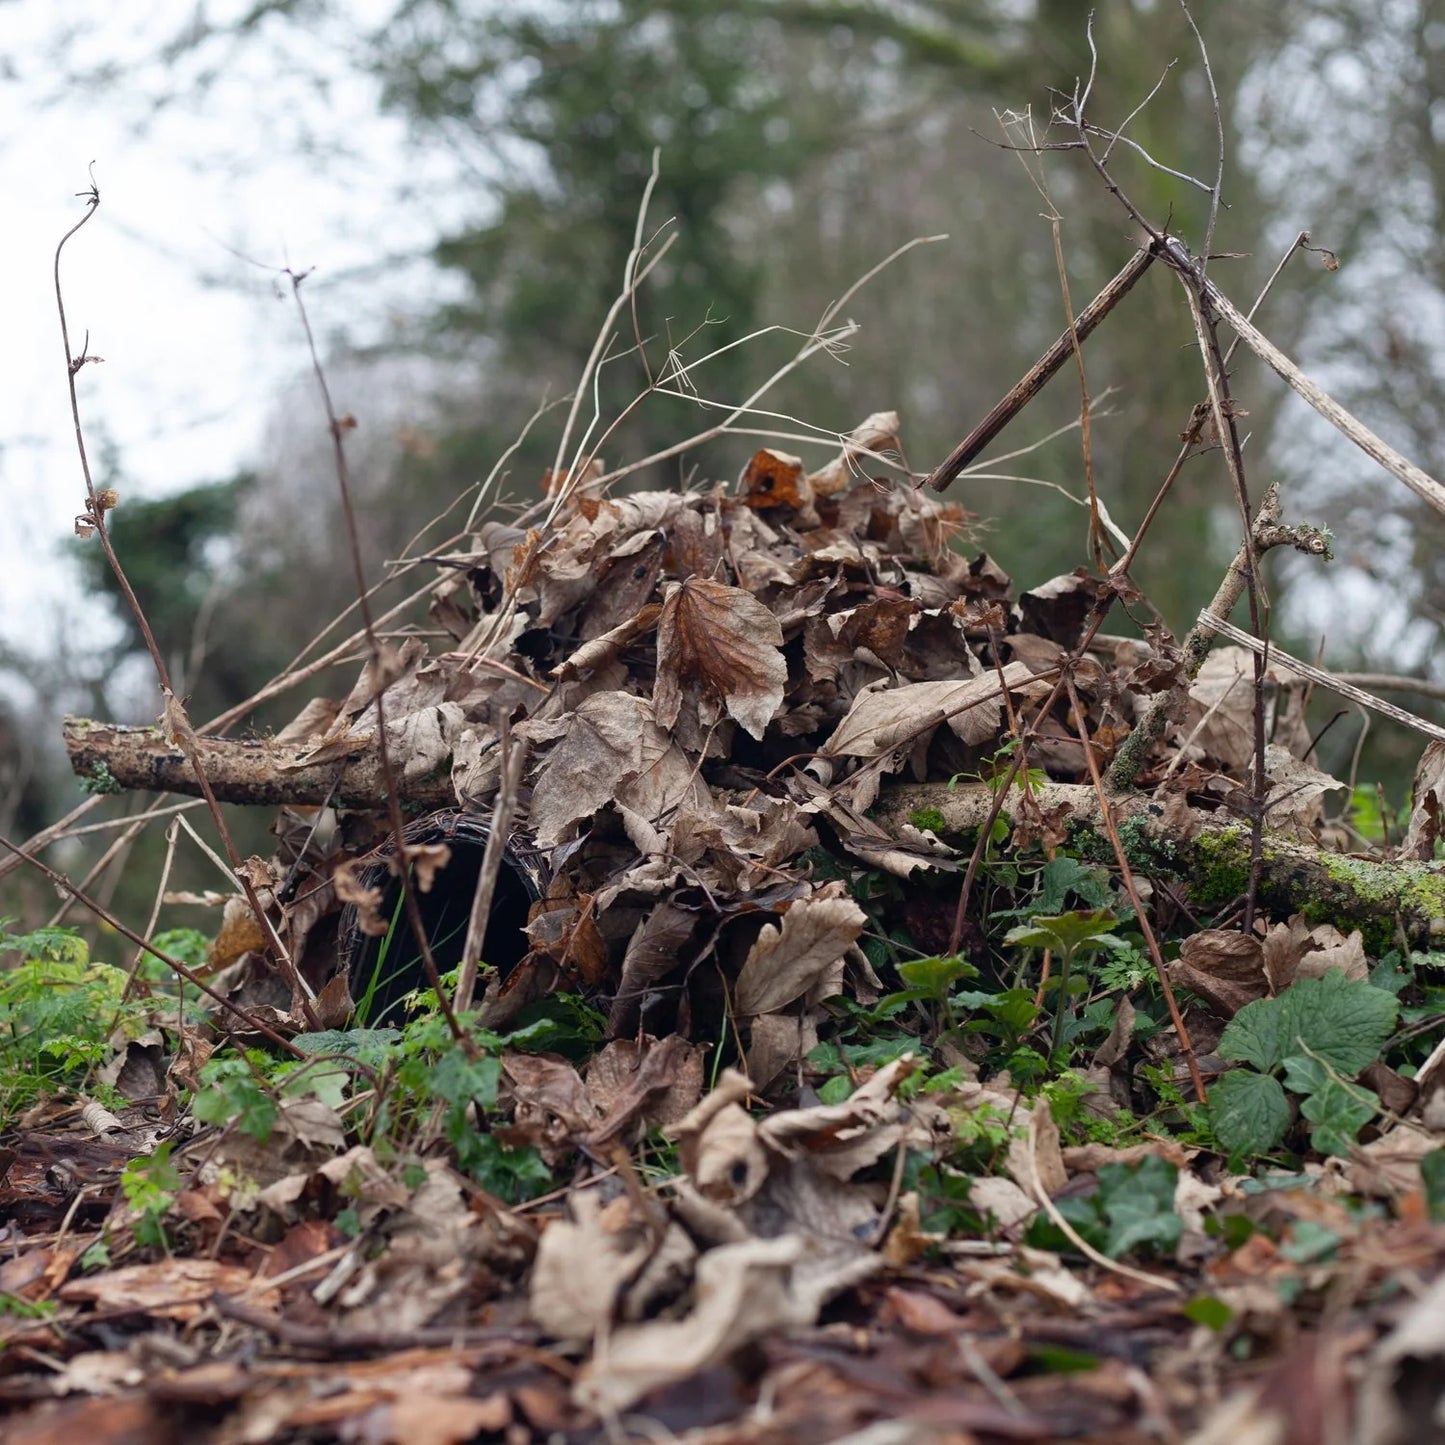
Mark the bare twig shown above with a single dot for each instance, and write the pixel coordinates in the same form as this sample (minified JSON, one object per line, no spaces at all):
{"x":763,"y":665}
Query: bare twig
{"x":378,"y":662}
{"x":1336,"y":682}
{"x":1424,"y":486}
{"x":1042,"y":371}
{"x":175,"y":721}
{"x":514,"y":759}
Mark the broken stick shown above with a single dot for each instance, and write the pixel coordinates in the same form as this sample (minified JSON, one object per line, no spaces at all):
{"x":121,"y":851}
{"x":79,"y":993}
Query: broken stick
{"x":1042,"y":370}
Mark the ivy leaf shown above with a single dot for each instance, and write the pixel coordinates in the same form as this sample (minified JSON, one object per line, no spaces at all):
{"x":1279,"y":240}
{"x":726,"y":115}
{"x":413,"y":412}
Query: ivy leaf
{"x":1137,"y":1202}
{"x":1338,"y":1112}
{"x":1341,"y":1022}
{"x":1249,"y":1111}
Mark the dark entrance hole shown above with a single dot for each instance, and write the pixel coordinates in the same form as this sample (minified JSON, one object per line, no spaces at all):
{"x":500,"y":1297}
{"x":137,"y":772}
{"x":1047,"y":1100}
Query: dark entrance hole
{"x":383,"y":970}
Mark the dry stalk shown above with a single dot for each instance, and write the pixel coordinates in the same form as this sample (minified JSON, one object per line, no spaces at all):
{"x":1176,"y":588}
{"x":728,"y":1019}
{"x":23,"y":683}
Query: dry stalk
{"x":175,"y":723}
{"x":514,"y":760}
{"x":378,"y":662}
{"x":1042,"y":371}
{"x":1210,"y":620}
{"x":1106,"y":816}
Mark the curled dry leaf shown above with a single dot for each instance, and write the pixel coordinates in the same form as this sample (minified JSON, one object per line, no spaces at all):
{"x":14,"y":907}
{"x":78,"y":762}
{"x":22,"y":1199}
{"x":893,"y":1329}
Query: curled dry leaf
{"x":881,"y":721}
{"x":1223,"y":966}
{"x":722,"y":647}
{"x":427,"y":859}
{"x":367,"y":901}
{"x":1427,"y":816}
{"x":582,"y":1265}
{"x":787,"y":961}
{"x":1296,"y":950}
{"x":743,"y":1291}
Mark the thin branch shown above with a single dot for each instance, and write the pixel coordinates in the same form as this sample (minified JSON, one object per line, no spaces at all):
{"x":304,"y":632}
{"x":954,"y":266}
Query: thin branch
{"x":1042,"y":371}
{"x":1336,"y":682}
{"x":1218,"y":186}
{"x":378,"y":664}
{"x":175,"y":721}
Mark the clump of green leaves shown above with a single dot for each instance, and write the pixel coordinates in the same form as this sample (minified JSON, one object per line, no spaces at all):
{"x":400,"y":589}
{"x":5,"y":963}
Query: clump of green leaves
{"x":1131,"y":1211}
{"x":150,"y":1185}
{"x":1312,"y":1040}
{"x":57,"y":1010}
{"x":1070,"y":936}
{"x":408,"y":1084}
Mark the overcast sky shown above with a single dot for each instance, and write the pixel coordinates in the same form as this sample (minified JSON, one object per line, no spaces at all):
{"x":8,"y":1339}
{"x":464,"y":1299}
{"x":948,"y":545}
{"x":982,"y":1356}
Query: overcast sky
{"x":195,"y":343}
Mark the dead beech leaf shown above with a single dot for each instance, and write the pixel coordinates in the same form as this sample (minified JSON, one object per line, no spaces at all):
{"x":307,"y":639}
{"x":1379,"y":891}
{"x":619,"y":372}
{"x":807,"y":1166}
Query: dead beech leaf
{"x":890,"y":718}
{"x":743,"y":1292}
{"x":786,"y":962}
{"x":581,"y":1266}
{"x":876,"y":433}
{"x":1222,"y":965}
{"x":239,"y":933}
{"x":609,"y":745}
{"x":1427,"y":816}
{"x":1295,"y":950}
{"x":721,"y":644}
{"x":776,"y":479}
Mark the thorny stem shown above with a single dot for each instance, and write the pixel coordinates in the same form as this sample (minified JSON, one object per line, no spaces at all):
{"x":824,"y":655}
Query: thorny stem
{"x":175,"y":722}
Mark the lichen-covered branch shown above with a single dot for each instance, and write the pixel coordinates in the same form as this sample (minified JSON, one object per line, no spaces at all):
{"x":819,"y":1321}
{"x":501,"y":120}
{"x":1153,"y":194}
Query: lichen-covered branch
{"x":1207,"y":852}
{"x":111,"y":759}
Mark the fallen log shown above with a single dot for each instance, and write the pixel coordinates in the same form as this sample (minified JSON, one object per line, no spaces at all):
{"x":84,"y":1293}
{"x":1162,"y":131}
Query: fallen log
{"x":1208,"y":852}
{"x":108,"y":758}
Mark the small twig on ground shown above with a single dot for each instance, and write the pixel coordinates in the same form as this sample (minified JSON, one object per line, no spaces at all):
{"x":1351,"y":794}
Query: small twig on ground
{"x":343,"y":1341}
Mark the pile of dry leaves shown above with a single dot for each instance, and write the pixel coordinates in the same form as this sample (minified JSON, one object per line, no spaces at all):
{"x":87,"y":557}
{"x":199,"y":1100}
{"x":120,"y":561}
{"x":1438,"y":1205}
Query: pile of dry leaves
{"x":680,"y":709}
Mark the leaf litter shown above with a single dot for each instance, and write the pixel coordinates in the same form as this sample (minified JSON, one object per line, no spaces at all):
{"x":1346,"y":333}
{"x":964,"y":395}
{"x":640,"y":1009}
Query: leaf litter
{"x":758,"y":1134}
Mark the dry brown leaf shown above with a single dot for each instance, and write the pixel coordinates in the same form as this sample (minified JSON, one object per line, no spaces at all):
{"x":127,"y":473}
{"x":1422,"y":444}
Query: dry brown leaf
{"x":1221,"y":965}
{"x":743,"y":1292}
{"x":786,"y":962}
{"x":721,"y":646}
{"x":891,"y":718}
{"x":176,"y":1289}
{"x":1042,"y":1142}
{"x":367,"y":901}
{"x":582,"y":1266}
{"x":609,"y":746}
{"x":1427,"y":815}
